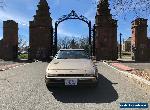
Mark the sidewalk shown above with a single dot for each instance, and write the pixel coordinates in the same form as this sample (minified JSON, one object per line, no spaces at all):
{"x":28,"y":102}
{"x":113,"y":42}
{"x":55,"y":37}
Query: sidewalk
{"x":5,"y":65}
{"x":140,"y":69}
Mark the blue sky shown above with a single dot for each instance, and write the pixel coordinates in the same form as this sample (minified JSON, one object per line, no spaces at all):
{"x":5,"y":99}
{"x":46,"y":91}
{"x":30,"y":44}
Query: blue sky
{"x":22,"y":11}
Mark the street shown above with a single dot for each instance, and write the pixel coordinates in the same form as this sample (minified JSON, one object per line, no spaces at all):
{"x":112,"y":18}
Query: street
{"x":23,"y":88}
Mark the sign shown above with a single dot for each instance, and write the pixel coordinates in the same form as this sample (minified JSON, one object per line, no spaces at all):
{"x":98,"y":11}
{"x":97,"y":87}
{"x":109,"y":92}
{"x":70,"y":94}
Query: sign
{"x":133,"y":105}
{"x":71,"y":82}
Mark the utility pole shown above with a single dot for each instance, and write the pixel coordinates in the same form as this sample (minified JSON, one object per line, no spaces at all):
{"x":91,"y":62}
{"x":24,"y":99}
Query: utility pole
{"x":94,"y":40}
{"x":120,"y":45}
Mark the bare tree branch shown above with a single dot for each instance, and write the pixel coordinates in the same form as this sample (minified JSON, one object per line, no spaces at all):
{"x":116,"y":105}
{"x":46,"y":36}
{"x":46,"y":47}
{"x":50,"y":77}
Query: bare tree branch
{"x":139,"y":8}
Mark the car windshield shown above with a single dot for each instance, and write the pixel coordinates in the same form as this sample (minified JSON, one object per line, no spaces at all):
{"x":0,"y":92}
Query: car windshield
{"x":72,"y":54}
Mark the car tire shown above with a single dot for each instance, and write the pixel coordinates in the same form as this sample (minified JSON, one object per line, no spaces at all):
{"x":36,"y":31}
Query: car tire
{"x":46,"y":81}
{"x":95,"y":84}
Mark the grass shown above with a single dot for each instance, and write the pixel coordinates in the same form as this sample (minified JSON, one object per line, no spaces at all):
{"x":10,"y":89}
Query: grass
{"x":23,"y":56}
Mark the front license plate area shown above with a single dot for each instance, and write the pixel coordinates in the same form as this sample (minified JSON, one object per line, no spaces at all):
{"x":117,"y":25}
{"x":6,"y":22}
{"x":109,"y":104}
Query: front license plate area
{"x":71,"y":82}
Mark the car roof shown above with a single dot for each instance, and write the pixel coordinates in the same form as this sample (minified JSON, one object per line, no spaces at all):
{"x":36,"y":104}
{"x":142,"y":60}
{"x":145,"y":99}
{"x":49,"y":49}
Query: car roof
{"x":71,"y":49}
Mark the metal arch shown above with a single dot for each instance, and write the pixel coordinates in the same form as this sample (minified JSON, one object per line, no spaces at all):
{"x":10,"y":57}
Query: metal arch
{"x":72,"y":15}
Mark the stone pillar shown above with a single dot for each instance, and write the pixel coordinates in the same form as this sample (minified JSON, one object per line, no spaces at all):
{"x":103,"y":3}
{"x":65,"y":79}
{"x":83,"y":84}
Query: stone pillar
{"x":41,"y":33}
{"x":149,"y":49}
{"x":139,"y":40}
{"x":106,"y":33}
{"x":10,"y":40}
{"x":1,"y":49}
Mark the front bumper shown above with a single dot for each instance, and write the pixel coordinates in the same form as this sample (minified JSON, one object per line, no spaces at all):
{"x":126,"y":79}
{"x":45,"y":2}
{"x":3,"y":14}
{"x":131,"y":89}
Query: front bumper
{"x":60,"y":81}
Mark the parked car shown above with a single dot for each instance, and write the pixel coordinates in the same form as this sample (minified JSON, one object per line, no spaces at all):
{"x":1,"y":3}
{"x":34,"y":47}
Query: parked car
{"x":71,"y":67}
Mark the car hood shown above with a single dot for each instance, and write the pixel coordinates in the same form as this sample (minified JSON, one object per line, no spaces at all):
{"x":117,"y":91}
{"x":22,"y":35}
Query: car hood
{"x":78,"y":66}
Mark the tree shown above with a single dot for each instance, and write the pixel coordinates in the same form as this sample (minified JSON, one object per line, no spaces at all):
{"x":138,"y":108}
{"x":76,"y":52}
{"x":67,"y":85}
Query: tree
{"x":139,"y":8}
{"x":73,"y":44}
{"x":22,"y":45}
{"x":63,"y":43}
{"x":84,"y":43}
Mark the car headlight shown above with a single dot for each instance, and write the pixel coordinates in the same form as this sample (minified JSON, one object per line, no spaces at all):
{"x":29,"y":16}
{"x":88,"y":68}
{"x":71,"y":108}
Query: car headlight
{"x":90,"y":75}
{"x":51,"y":75}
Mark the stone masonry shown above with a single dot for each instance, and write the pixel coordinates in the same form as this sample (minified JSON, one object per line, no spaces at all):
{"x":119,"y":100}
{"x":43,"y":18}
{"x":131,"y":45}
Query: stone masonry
{"x":9,"y":43}
{"x":41,"y":33}
{"x":106,"y":33}
{"x":140,"y":42}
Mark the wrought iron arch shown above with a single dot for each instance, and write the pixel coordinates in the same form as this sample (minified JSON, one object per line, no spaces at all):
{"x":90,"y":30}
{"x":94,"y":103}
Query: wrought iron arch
{"x":71,"y":15}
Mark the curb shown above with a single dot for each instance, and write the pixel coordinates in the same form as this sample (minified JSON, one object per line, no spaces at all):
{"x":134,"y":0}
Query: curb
{"x":140,"y":81}
{"x":13,"y":67}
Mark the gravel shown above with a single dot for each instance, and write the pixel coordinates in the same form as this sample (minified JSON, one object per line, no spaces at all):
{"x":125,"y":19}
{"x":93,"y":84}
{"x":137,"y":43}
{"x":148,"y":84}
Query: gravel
{"x":24,"y":88}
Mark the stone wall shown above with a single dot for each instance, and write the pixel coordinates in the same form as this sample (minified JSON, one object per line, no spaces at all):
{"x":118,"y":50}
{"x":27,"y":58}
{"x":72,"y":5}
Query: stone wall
{"x":106,"y":33}
{"x":1,"y":50}
{"x":9,"y":44}
{"x":149,"y":49}
{"x":140,"y":43}
{"x":41,"y":33}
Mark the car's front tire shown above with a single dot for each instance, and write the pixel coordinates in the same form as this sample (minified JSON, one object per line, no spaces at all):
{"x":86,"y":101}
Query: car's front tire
{"x":95,"y":84}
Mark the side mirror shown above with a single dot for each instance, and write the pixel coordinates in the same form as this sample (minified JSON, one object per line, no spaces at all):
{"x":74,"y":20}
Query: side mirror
{"x":51,"y":57}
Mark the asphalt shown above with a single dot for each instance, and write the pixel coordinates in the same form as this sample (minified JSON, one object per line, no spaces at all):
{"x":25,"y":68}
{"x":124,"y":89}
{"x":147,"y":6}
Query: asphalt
{"x":24,"y":88}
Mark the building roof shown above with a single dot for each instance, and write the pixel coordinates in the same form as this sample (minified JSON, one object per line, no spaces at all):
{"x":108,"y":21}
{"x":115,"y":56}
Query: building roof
{"x":129,"y":39}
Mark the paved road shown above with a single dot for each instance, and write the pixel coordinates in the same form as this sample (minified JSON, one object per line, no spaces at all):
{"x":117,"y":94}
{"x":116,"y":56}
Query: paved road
{"x":23,"y":88}
{"x":5,"y":63}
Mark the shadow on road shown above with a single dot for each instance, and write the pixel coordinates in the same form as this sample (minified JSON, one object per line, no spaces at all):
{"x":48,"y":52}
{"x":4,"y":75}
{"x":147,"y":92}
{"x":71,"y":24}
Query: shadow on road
{"x":103,"y":93}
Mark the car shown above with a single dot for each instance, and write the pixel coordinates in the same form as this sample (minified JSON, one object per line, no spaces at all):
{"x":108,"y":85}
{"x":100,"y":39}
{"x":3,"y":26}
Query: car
{"x":71,"y":67}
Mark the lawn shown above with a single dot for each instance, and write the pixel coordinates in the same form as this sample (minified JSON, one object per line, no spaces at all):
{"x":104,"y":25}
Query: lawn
{"x":23,"y":56}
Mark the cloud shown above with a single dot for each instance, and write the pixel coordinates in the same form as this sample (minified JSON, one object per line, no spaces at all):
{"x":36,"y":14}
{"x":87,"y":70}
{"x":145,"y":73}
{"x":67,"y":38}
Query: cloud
{"x":63,"y":33}
{"x":17,"y":10}
{"x":13,"y":16}
{"x":90,"y":14}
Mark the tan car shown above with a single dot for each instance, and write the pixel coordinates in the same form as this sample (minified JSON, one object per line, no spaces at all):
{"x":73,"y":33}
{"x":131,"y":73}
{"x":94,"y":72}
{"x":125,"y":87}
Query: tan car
{"x":71,"y":67}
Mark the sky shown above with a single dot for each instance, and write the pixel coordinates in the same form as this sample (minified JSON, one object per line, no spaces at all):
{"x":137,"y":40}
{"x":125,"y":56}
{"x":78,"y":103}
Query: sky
{"x":22,"y":11}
